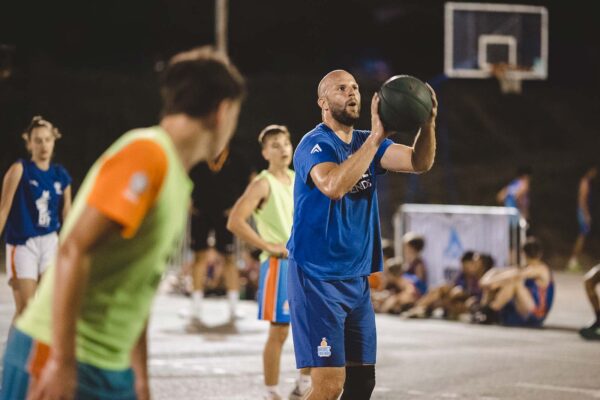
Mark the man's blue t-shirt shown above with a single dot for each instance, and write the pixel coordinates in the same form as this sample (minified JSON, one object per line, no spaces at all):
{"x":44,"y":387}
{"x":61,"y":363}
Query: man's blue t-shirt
{"x":335,"y":240}
{"x":38,"y":201}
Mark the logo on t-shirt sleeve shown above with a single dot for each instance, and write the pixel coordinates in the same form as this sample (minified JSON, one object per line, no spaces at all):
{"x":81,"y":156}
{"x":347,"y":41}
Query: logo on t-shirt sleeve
{"x":316,"y":149}
{"x":137,"y":186}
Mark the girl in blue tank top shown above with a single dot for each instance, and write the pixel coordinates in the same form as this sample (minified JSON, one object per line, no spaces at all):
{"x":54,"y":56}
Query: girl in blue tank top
{"x":36,"y":196}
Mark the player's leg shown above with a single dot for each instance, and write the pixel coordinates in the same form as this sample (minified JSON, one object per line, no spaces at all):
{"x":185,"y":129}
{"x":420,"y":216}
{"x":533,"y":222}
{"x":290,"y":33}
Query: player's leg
{"x":584,"y":230}
{"x":225,"y":245}
{"x":318,"y":342}
{"x":198,"y":282}
{"x":524,"y":301}
{"x":361,"y":347}
{"x":199,"y":244}
{"x":23,"y":273}
{"x":592,"y":279}
{"x":328,"y":383}
{"x":504,"y":294}
{"x":278,"y":333}
{"x":23,"y":291}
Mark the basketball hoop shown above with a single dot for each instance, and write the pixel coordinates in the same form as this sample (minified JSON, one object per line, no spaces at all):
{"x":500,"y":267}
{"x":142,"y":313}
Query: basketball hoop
{"x":508,"y":78}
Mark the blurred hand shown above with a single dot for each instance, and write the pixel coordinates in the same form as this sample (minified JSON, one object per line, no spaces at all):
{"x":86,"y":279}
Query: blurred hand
{"x":58,"y":381}
{"x":142,"y":390}
{"x":377,"y":130}
{"x":434,"y":108}
{"x":278,"y":250}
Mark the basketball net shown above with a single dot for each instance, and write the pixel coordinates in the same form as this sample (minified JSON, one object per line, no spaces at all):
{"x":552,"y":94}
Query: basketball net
{"x":508,"y":78}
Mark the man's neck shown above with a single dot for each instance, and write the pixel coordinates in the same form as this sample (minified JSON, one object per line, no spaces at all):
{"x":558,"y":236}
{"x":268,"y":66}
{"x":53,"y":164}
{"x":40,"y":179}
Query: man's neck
{"x":344,"y":132}
{"x":279,"y":172}
{"x":189,"y":136}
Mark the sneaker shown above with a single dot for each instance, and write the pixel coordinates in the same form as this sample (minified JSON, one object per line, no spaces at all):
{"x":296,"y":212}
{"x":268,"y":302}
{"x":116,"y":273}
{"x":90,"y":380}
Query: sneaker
{"x":574,"y":266}
{"x":296,"y":394}
{"x":485,"y":316}
{"x":590,"y":333}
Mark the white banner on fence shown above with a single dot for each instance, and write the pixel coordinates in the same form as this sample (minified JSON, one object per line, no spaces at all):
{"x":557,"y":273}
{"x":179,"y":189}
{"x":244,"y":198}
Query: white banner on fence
{"x":449,"y":231}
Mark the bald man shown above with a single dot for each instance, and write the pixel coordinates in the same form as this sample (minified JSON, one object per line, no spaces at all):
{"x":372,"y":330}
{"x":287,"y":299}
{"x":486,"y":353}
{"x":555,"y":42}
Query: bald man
{"x":336,"y":241}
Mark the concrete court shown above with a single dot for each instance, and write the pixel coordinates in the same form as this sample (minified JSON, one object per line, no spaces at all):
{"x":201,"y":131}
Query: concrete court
{"x":417,"y":359}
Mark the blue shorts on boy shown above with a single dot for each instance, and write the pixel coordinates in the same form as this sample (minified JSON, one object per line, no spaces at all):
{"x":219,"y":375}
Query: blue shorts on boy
{"x":273,"y":303}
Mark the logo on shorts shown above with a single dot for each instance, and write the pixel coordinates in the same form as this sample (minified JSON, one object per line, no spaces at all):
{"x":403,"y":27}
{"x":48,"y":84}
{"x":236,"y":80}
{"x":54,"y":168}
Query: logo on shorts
{"x":323,"y":350}
{"x":286,"y":308}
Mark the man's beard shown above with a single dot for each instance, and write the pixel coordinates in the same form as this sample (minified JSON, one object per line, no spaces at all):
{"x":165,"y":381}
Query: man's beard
{"x":343,"y":117}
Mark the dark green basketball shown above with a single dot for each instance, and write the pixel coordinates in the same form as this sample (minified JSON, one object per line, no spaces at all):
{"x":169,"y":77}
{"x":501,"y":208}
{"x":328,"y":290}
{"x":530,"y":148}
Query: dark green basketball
{"x":404,"y":104}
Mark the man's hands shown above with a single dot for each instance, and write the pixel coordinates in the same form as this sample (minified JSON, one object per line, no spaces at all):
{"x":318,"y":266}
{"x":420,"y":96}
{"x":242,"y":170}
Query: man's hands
{"x":377,"y":130}
{"x":430,"y":123}
{"x":58,"y":381}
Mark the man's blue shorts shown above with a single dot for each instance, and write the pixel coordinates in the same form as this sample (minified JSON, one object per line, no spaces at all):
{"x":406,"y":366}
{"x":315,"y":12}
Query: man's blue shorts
{"x":25,"y":356}
{"x":584,"y":227}
{"x":333,"y":322}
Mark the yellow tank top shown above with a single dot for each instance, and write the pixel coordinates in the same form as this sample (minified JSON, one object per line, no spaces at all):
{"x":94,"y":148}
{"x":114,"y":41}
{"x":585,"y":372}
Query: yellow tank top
{"x":274,"y":219}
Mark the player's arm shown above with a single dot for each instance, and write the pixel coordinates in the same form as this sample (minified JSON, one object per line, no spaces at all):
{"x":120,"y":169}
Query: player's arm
{"x":9,"y":188}
{"x":418,"y":158}
{"x":582,"y":199}
{"x":67,"y":202}
{"x":256,"y":192}
{"x":58,"y":379}
{"x":522,"y":191}
{"x":501,"y":195}
{"x":139,"y":363}
{"x":335,"y":180}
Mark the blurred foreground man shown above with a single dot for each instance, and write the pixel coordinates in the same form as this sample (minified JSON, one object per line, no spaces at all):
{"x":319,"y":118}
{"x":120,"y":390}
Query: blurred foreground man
{"x":84,"y":335}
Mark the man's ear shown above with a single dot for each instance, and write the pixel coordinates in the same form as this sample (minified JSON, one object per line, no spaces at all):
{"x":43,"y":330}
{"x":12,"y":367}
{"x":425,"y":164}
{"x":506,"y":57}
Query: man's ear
{"x":221,"y":112}
{"x":322,"y":102}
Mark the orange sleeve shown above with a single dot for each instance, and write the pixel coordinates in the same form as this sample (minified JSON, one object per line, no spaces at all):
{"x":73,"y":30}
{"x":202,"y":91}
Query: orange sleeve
{"x":128,"y":183}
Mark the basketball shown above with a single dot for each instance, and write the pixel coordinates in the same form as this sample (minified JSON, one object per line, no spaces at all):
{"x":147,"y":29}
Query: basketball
{"x":404,"y":104}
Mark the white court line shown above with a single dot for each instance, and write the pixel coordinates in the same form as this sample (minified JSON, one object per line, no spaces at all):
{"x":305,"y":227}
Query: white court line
{"x":589,"y":392}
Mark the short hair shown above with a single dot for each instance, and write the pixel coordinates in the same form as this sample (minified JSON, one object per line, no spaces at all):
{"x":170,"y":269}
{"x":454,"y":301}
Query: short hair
{"x":524,"y":170}
{"x":195,"y":82}
{"x":38,"y":122}
{"x":533,"y":248}
{"x":468,"y":255}
{"x":414,"y":241}
{"x":387,"y":247}
{"x":487,"y":261}
{"x":394,"y":266}
{"x":270,"y":131}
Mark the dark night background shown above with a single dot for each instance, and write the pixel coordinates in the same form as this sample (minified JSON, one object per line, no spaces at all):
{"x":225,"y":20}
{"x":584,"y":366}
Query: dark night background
{"x":90,"y":67}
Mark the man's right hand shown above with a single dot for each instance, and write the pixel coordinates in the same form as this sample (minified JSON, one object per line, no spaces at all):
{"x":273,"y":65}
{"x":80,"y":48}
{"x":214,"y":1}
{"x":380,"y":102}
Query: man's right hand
{"x":377,"y":130}
{"x":278,"y":250}
{"x":58,"y":381}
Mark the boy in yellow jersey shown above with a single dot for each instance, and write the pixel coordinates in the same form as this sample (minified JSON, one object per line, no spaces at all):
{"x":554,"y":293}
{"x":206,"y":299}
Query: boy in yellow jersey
{"x":84,"y":334}
{"x":269,"y":200}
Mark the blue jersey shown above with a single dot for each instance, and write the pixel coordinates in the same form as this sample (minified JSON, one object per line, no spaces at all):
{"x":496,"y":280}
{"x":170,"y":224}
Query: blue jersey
{"x":511,"y":194}
{"x":335,"y":240}
{"x":37,"y":204}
